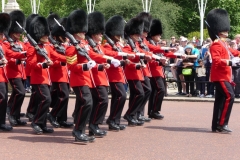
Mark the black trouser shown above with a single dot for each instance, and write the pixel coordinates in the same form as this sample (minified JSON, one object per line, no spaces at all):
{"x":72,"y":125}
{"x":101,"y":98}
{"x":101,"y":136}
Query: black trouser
{"x":33,"y":102}
{"x":156,"y":97}
{"x":236,"y":79}
{"x":179,"y":83}
{"x":100,"y":104}
{"x":202,"y":84}
{"x":60,"y":105}
{"x":147,"y":92}
{"x":117,"y":102}
{"x":3,"y":101}
{"x":210,"y":85}
{"x":224,"y":98}
{"x":189,"y":79}
{"x":43,"y":93}
{"x":83,"y":107}
{"x":17,"y":97}
{"x":136,"y":96}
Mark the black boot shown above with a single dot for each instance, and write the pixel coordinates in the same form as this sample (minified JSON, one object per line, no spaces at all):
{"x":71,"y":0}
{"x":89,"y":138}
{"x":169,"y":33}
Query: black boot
{"x":94,"y":130}
{"x":4,"y":127}
{"x":112,"y":125}
{"x":53,"y":120}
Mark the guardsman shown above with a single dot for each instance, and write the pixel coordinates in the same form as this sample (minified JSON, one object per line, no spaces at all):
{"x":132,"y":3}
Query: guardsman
{"x":221,"y":72}
{"x":114,"y":30}
{"x":81,"y":79}
{"x":5,"y":21}
{"x":40,"y":60}
{"x":96,"y":28}
{"x":15,"y":68}
{"x":60,"y":79}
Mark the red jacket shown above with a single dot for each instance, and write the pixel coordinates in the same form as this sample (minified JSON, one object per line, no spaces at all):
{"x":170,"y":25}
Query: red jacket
{"x":220,"y":71}
{"x":40,"y":75}
{"x":79,"y":77}
{"x":59,"y":72}
{"x":15,"y":70}
{"x":27,"y":66}
{"x":115,"y":74}
{"x":11,"y":54}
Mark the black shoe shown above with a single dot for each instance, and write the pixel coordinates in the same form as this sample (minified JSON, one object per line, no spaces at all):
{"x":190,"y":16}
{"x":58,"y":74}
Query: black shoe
{"x":224,"y":129}
{"x":52,"y":120}
{"x":139,"y":123}
{"x":65,"y":124}
{"x":80,"y":137}
{"x":12,"y":120}
{"x":36,"y":128}
{"x":4,"y":127}
{"x":21,"y":123}
{"x":145,"y":119}
{"x":47,"y":130}
{"x":122,"y":126}
{"x":237,"y":96}
{"x":156,"y":115}
{"x":29,"y":116}
{"x":130,"y":119}
{"x":112,"y":126}
{"x":94,"y":130}
{"x":22,"y":114}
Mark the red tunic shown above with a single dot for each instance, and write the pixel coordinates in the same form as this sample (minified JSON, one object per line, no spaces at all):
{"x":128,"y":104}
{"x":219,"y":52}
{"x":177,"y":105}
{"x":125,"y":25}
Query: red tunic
{"x":40,"y":75}
{"x":11,"y":54}
{"x":28,"y":67}
{"x":79,"y":77}
{"x":15,"y":70}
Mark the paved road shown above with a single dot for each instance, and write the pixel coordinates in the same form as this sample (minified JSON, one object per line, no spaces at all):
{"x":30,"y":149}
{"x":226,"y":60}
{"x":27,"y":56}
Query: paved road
{"x":183,"y":134}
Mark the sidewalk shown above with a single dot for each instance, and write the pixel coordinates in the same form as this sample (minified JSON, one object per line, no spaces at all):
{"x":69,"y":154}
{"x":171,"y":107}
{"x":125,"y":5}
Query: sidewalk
{"x":170,"y":97}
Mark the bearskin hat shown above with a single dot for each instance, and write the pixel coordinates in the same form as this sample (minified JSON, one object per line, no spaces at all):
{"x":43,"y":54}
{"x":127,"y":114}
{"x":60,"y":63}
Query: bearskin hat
{"x":57,"y":30}
{"x":77,"y":22}
{"x":96,"y":23}
{"x":39,"y":28}
{"x":5,"y":22}
{"x":134,"y":26}
{"x":115,"y":26}
{"x":50,"y":20}
{"x":18,"y":16}
{"x":147,"y":19}
{"x":218,"y":21}
{"x":156,"y":28}
{"x":28,"y":21}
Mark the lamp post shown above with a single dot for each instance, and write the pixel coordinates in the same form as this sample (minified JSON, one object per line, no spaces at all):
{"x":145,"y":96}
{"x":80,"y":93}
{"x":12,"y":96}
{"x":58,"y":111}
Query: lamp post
{"x":35,"y":6}
{"x":146,"y":5}
{"x":90,"y":5}
{"x":3,"y":4}
{"x":202,"y":7}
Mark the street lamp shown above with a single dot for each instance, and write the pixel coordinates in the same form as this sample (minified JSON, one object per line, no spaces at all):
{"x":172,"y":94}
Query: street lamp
{"x":90,"y":5}
{"x":35,"y":6}
{"x":146,"y":5}
{"x":202,"y":8}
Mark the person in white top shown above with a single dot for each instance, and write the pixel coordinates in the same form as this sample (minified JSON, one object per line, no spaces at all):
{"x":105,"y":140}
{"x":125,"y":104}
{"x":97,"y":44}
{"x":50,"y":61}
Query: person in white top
{"x":201,"y":74}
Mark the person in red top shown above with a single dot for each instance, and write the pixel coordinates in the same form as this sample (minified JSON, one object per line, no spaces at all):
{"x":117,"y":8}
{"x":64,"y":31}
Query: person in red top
{"x":59,"y":78}
{"x":33,"y":102}
{"x":40,"y":77}
{"x":221,"y":72}
{"x":114,"y":30}
{"x":15,"y":68}
{"x":4,"y":26}
{"x":81,"y":79}
{"x":96,"y":28}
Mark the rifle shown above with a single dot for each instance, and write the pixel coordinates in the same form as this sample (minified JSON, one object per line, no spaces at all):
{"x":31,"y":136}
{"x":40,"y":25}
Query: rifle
{"x":81,"y":51}
{"x":142,"y":45}
{"x":59,"y":48}
{"x":132,"y":45}
{"x":93,"y":44}
{"x":40,"y":51}
{"x":15,"y":47}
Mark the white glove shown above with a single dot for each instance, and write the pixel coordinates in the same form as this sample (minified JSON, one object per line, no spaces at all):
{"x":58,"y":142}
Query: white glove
{"x":178,"y":53}
{"x":140,"y":54}
{"x":115,"y":62}
{"x":156,"y":57}
{"x":91,"y":64}
{"x":122,"y":54}
{"x":235,"y":60}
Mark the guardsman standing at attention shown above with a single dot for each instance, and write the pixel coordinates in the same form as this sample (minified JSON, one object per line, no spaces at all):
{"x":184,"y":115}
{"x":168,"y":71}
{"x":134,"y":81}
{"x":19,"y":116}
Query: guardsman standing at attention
{"x":4,"y":26}
{"x":218,"y":25}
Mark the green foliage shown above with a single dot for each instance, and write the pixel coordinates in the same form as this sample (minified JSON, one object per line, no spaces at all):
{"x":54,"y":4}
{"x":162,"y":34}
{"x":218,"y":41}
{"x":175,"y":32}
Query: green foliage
{"x":197,"y":34}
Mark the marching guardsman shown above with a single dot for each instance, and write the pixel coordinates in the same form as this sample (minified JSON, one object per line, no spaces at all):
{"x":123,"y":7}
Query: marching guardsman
{"x":33,"y":102}
{"x":80,"y":66}
{"x":114,"y":30}
{"x":40,"y":60}
{"x":96,"y":28}
{"x":218,"y":25}
{"x":5,"y":22}
{"x":59,"y":78}
{"x":15,"y":68}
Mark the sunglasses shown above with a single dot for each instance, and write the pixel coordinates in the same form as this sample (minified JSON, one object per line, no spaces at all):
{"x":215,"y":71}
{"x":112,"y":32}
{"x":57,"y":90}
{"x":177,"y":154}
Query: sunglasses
{"x":176,"y":44}
{"x":172,"y":38}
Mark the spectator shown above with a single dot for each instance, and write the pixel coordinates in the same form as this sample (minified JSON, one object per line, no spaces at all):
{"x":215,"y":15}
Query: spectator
{"x":173,"y":39}
{"x":201,"y":74}
{"x":237,"y":40}
{"x":184,"y":42}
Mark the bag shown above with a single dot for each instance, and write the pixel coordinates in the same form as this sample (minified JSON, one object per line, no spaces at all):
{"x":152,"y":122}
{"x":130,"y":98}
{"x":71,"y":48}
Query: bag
{"x":187,"y":71}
